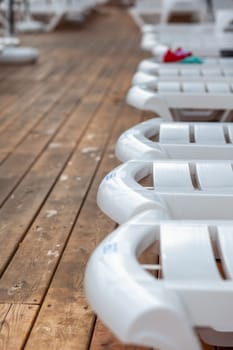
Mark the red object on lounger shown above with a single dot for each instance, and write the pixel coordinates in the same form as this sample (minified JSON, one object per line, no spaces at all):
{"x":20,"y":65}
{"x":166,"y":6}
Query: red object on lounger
{"x":175,"y":56}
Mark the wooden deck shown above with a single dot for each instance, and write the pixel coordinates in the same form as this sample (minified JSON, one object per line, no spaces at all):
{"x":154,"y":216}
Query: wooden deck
{"x":59,"y":121}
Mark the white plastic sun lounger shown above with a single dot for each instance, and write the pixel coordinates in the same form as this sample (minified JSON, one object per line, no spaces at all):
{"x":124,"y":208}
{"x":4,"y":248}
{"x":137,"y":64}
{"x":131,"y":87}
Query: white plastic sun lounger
{"x":164,"y":9}
{"x":57,"y":9}
{"x":165,"y":96}
{"x":203,"y":40}
{"x":153,"y":67}
{"x":184,"y":75}
{"x":155,"y":139}
{"x":192,"y":293}
{"x":180,"y":190}
{"x":214,"y":71}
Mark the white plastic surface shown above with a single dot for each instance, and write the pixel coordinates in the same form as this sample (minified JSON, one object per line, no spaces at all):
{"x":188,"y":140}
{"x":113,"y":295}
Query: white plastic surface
{"x":189,"y":190}
{"x":56,"y":10}
{"x":217,"y":96}
{"x":9,"y":41}
{"x":162,"y":313}
{"x":155,"y":139}
{"x":185,"y":77}
{"x":153,"y":67}
{"x":202,"y":40}
{"x":19,"y":55}
{"x":164,"y":9}
{"x":30,"y":26}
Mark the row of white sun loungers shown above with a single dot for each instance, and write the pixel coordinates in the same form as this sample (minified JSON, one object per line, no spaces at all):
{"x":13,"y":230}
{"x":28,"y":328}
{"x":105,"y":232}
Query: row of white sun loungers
{"x":173,"y":198}
{"x":168,"y":89}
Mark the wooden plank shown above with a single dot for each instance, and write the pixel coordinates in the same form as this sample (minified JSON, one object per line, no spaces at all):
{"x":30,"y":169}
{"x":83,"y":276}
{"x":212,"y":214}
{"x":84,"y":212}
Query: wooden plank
{"x":23,"y":102}
{"x":74,"y":323}
{"x":15,"y":326}
{"x":6,"y":71}
{"x":67,"y":285}
{"x":15,"y":132}
{"x":24,"y":156}
{"x":19,"y":162}
{"x":103,"y":339}
{"x":64,"y":203}
{"x":25,"y":199}
{"x":9,"y":140}
{"x":5,"y":101}
{"x":208,"y":347}
{"x":4,"y":309}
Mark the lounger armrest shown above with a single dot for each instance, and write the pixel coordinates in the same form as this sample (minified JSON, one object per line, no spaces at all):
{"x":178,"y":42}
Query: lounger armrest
{"x":134,"y":142}
{"x":140,"y":98}
{"x":147,"y":100}
{"x":141,"y":78}
{"x":148,"y":42}
{"x":148,"y":66}
{"x":137,"y":308}
{"x":121,"y":189}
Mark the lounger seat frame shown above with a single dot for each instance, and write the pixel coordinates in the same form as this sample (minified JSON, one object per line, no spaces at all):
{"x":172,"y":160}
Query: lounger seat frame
{"x":155,"y":139}
{"x":179,"y":190}
{"x":194,"y":37}
{"x":153,"y":67}
{"x":215,"y":96}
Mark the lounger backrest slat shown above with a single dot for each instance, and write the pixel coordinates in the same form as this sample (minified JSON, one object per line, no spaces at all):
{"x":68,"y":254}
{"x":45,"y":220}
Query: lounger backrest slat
{"x":226,"y":62}
{"x":218,"y":87}
{"x":189,"y":71}
{"x":168,"y":71}
{"x":230,"y":132}
{"x":204,"y":135}
{"x":228,"y":72}
{"x":211,"y":72}
{"x":187,"y":253}
{"x":215,"y":176}
{"x":193,"y":87}
{"x":197,"y":85}
{"x":166,"y":176}
{"x":225,"y":240}
{"x":168,"y":86}
{"x":174,"y":133}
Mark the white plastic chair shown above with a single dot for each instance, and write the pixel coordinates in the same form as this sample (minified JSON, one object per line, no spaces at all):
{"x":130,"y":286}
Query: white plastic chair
{"x":154,"y":140}
{"x":181,"y":190}
{"x":191,"y":292}
{"x":165,"y":96}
